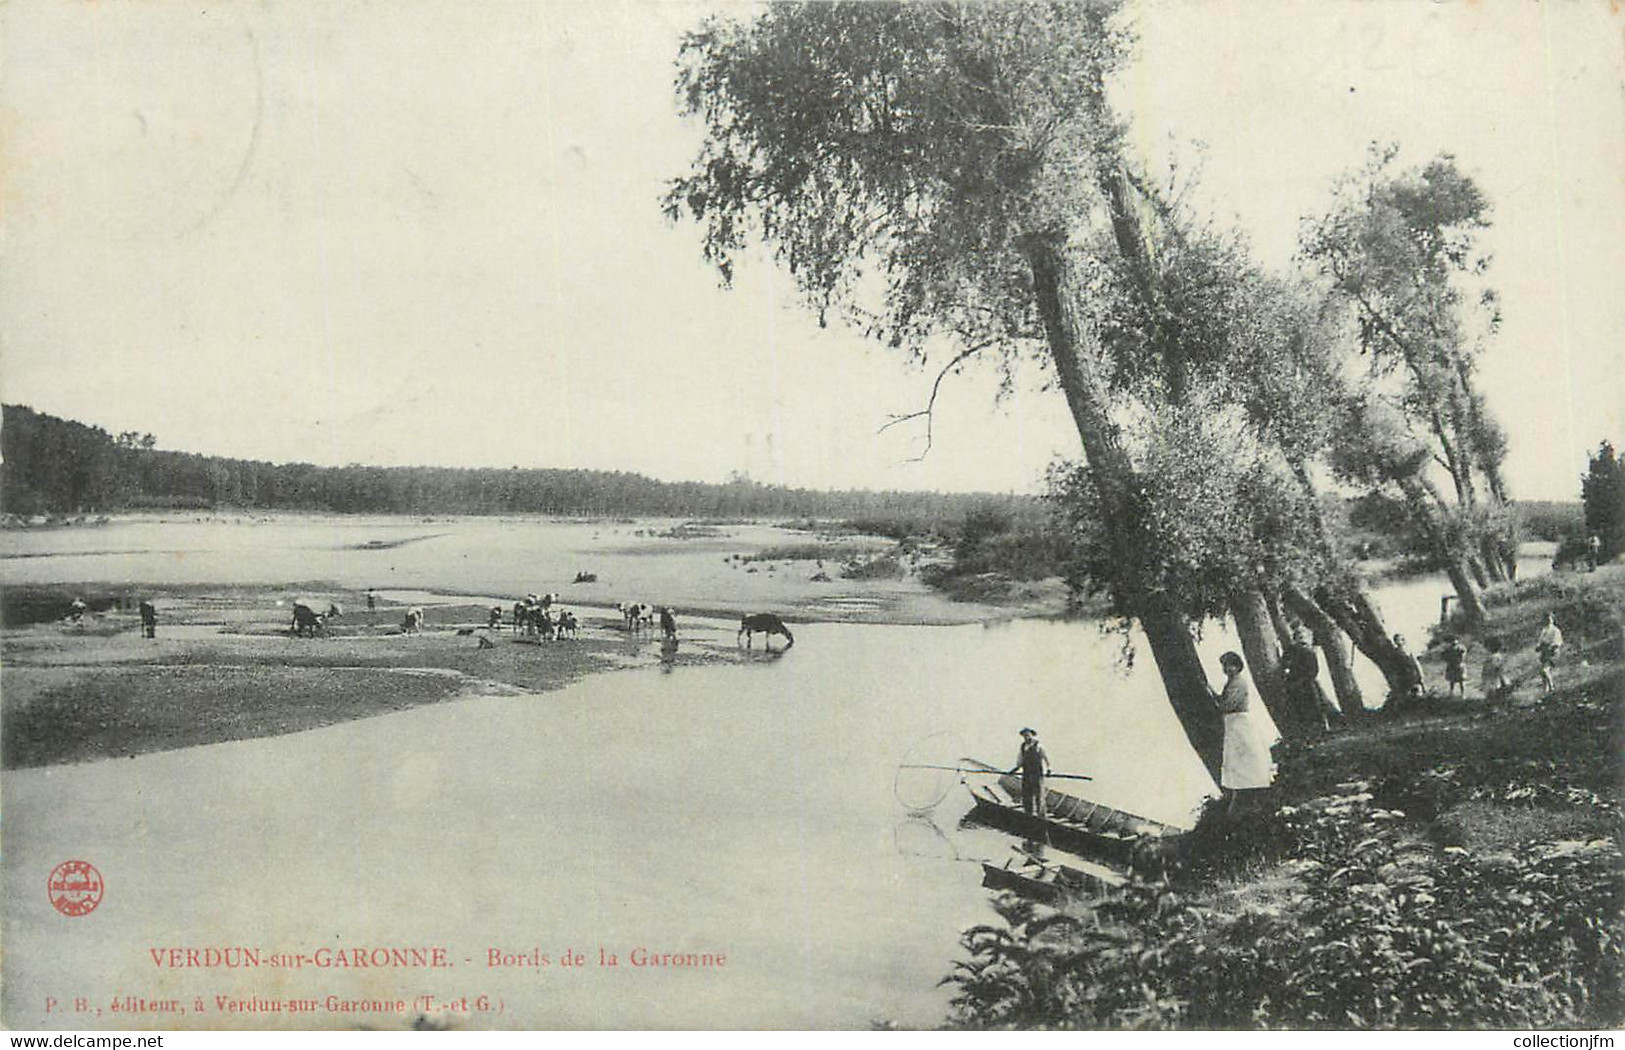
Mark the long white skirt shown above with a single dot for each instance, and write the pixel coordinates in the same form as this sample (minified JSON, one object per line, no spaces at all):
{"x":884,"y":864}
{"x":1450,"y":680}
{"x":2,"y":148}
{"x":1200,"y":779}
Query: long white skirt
{"x":1247,"y":742}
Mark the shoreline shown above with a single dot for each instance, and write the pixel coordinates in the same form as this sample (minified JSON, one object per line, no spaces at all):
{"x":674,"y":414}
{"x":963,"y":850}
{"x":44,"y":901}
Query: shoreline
{"x":229,"y":669}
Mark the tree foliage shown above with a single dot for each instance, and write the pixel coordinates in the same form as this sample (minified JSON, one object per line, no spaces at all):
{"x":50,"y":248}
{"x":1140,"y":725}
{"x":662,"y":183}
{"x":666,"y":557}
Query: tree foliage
{"x":56,"y":466}
{"x":893,"y":156}
{"x":1602,"y":490}
{"x":1399,"y":250}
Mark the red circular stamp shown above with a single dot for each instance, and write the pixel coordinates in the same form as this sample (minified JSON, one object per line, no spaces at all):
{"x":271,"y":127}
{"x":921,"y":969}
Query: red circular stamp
{"x":75,"y":887}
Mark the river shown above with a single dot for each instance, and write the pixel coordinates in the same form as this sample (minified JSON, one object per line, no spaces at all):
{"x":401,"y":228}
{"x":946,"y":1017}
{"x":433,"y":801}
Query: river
{"x":748,"y":811}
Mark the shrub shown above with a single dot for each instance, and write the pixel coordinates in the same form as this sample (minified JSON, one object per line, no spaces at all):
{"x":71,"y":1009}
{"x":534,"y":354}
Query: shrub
{"x":1378,"y":931}
{"x":882,"y":567}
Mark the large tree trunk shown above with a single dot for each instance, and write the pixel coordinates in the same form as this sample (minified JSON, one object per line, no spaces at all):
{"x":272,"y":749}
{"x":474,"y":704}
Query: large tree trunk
{"x":1329,"y":637}
{"x":1278,"y":618}
{"x":1490,"y":554}
{"x":1357,"y":618}
{"x":1167,"y":627}
{"x":1423,"y":501}
{"x":1357,"y":615}
{"x":1173,"y":647}
{"x":1472,"y":610}
{"x":1262,"y":649}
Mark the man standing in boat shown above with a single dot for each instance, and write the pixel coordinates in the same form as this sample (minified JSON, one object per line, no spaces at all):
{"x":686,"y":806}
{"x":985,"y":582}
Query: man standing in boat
{"x":1033,"y":765}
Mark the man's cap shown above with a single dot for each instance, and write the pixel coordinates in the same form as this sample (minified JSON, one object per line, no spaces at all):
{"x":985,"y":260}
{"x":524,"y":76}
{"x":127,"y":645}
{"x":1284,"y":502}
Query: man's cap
{"x":1029,"y":731}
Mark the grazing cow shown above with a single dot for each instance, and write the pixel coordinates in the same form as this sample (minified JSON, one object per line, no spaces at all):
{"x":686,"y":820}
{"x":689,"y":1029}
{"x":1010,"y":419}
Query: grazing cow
{"x":307,"y":621}
{"x":767,"y":624}
{"x":566,"y":625}
{"x":317,"y":607}
{"x":493,"y":619}
{"x":413,"y":621}
{"x":637,"y":615}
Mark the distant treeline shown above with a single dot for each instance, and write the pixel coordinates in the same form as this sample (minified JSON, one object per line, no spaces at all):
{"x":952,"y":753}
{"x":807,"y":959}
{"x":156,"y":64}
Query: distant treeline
{"x":56,"y":466}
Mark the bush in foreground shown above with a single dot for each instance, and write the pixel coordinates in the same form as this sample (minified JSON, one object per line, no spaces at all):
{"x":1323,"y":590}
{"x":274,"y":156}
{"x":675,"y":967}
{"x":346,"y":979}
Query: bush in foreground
{"x":1363,"y":927}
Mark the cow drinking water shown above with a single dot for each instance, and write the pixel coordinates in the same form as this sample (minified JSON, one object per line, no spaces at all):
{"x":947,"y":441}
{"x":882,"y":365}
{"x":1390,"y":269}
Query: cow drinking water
{"x":764,"y":623}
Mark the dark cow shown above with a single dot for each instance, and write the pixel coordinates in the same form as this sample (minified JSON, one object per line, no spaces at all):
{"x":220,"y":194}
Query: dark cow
{"x":307,"y":621}
{"x":764,"y":623}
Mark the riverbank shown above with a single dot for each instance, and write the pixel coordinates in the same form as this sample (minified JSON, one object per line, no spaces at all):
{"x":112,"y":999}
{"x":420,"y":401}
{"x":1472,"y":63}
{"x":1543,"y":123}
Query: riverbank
{"x":225,"y":667}
{"x":800,"y":574}
{"x":1455,"y":866}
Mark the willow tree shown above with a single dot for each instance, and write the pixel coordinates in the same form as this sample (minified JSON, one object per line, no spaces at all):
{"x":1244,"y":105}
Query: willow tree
{"x":950,"y":179}
{"x":1220,"y":396}
{"x":1400,"y":250}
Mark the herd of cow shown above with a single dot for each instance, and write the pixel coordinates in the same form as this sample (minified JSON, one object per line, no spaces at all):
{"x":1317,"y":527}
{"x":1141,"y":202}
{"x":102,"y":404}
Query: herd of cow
{"x":534,"y":616}
{"x":540,"y":617}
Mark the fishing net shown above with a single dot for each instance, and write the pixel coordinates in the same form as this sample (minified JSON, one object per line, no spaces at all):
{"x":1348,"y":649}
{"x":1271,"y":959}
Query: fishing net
{"x":921,"y":789}
{"x":917,"y":835}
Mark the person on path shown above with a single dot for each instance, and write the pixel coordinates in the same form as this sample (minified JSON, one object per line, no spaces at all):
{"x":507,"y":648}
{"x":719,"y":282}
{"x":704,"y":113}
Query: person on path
{"x":1548,"y":647}
{"x":1414,"y":682}
{"x":668,"y":624}
{"x":1033,"y":765}
{"x":149,"y":620}
{"x":1300,"y":673}
{"x":1455,"y":665}
{"x":1494,"y":680}
{"x":1247,"y":765}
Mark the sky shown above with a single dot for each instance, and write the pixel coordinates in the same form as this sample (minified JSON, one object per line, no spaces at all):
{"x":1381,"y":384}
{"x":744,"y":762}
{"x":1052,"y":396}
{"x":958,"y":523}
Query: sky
{"x":429,"y":232}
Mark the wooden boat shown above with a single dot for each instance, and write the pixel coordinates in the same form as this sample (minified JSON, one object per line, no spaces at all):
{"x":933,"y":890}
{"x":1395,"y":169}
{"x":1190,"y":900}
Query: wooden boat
{"x":1076,"y":825}
{"x":1048,"y":882}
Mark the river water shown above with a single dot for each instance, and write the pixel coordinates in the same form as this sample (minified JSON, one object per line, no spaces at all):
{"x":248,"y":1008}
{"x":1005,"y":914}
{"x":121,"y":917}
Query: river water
{"x":750,"y":811}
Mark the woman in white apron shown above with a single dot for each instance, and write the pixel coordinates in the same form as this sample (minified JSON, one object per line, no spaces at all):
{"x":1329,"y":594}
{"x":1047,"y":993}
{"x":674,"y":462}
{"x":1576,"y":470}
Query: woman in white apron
{"x":1248,"y":737}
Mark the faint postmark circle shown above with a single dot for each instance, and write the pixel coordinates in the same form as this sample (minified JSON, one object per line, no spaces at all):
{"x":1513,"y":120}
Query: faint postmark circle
{"x":75,"y":887}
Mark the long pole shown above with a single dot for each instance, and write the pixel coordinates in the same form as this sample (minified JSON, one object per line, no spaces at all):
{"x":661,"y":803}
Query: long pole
{"x":990,"y":772}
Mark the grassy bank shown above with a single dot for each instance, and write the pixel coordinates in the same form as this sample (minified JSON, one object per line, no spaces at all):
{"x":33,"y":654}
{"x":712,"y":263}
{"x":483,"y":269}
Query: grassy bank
{"x":1458,"y":866}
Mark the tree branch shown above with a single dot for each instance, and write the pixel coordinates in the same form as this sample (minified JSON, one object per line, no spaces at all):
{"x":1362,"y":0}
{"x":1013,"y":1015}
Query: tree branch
{"x":928,"y":412}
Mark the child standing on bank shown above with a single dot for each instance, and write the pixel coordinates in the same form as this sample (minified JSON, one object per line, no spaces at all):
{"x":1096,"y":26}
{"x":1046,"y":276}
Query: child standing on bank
{"x":1455,"y":671}
{"x":1494,"y":681}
